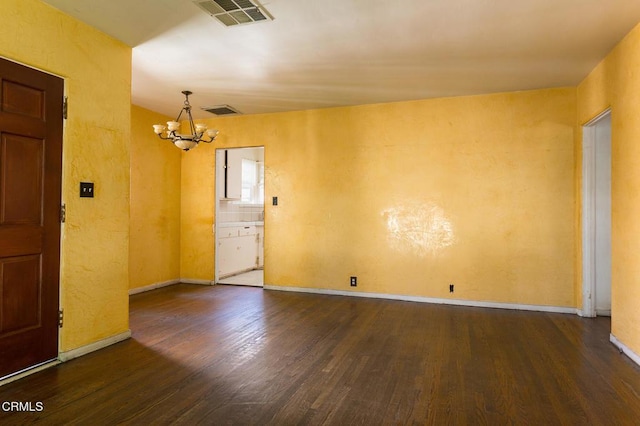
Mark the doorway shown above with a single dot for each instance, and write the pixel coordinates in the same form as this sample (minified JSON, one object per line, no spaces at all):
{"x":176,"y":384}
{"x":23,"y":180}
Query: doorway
{"x":596,"y":230}
{"x":30,"y":195}
{"x":239,"y":216}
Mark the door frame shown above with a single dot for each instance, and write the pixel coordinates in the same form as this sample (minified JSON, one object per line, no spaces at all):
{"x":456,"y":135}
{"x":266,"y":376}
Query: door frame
{"x":589,"y":258}
{"x":218,"y":194}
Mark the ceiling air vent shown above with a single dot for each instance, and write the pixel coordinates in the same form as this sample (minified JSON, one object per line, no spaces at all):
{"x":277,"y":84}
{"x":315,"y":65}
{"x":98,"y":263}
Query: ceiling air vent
{"x":234,"y":12}
{"x":221,"y":110}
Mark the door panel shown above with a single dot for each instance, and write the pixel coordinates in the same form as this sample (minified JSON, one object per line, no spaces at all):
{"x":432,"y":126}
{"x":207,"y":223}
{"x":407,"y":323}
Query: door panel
{"x":30,"y":195}
{"x":20,"y":293}
{"x":20,"y":99}
{"x":21,"y":180}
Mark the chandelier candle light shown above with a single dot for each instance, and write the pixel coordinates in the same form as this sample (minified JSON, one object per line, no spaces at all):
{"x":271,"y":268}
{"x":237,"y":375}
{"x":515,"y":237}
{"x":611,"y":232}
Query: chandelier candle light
{"x":185,"y":142}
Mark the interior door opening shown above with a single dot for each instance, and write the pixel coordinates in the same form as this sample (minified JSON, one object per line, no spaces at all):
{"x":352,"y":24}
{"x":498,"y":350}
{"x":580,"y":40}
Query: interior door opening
{"x":239,"y":216}
{"x":596,"y":232}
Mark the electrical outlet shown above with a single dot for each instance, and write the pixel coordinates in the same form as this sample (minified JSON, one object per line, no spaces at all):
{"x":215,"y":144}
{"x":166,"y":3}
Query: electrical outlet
{"x":450,"y":288}
{"x":354,"y":281}
{"x":274,"y":201}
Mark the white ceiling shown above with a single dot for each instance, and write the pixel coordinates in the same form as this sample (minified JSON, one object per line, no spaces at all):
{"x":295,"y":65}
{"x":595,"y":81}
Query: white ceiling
{"x":324,"y":53}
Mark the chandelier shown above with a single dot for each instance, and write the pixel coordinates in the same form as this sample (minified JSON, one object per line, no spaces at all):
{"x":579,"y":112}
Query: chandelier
{"x":182,"y":141}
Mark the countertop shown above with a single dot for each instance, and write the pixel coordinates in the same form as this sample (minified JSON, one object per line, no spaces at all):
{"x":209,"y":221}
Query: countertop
{"x":232,"y":224}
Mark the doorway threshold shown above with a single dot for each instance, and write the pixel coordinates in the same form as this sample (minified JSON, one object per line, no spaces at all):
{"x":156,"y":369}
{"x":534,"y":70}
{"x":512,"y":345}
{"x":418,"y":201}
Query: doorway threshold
{"x":28,"y":371}
{"x":253,"y":278}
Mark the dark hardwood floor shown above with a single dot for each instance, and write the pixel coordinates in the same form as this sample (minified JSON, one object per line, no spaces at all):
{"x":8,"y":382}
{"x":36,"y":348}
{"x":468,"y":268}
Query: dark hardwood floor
{"x":241,"y":355}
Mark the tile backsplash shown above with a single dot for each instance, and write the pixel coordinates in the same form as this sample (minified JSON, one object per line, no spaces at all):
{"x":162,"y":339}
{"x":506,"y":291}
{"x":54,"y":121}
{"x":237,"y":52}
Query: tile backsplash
{"x":231,"y":212}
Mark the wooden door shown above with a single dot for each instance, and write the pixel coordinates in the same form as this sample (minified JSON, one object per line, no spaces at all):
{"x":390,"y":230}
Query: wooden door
{"x":30,"y":195}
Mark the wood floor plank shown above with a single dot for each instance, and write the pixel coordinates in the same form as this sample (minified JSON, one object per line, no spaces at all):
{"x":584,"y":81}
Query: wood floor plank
{"x":243,"y":355}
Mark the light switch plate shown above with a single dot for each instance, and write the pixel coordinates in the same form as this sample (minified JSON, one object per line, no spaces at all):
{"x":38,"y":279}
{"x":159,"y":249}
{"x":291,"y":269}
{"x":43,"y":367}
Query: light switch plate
{"x":86,"y":189}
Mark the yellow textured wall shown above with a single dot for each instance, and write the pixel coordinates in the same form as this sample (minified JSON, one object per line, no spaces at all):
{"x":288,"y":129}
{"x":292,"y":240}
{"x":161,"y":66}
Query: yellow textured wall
{"x":154,"y":254}
{"x":410,"y":197}
{"x":95,"y":246}
{"x":197,"y":207}
{"x":615,"y":83}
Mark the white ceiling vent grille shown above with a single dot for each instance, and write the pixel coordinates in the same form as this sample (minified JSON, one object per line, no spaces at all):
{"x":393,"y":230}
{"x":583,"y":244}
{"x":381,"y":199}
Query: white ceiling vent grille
{"x":234,"y":12}
{"x":221,"y":110}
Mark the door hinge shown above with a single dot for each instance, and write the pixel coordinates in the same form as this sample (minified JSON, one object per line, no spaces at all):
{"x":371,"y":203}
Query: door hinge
{"x":65,"y":105}
{"x":257,"y":260}
{"x":60,"y":317}
{"x":63,"y":213}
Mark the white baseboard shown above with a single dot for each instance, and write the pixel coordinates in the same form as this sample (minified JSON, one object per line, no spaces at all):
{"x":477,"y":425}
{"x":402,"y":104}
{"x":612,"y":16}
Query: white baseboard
{"x":199,"y":282}
{"x":624,"y":349}
{"x":152,"y":286}
{"x":83,"y":350}
{"x":456,"y":302}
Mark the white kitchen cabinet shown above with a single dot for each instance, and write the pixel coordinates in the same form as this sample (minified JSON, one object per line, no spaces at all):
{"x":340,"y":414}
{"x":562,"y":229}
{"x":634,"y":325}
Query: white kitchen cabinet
{"x":233,"y":181}
{"x":237,"y":250}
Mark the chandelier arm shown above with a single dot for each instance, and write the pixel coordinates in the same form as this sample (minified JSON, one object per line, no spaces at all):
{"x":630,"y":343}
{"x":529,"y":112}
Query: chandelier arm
{"x":179,"y":115}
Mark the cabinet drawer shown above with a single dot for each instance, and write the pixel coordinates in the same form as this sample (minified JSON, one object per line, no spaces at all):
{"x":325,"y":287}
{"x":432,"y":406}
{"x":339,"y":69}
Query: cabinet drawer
{"x":228,"y":232}
{"x":247,"y":230}
{"x":236,"y":231}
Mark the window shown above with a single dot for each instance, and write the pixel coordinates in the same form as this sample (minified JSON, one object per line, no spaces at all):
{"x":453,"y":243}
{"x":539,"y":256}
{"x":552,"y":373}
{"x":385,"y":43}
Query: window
{"x":252,"y":182}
